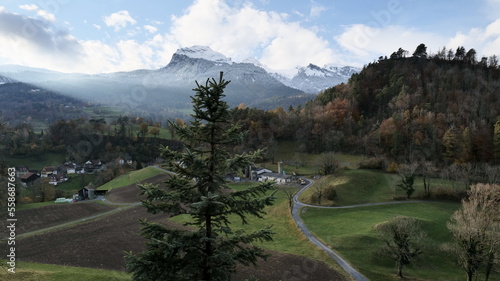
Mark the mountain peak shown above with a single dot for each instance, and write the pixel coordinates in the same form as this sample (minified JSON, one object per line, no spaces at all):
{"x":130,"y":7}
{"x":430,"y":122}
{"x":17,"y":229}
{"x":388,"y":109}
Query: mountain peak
{"x":203,"y":52}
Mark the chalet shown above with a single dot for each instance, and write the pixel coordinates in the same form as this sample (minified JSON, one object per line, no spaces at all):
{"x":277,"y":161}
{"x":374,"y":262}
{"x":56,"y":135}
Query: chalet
{"x":48,"y":171}
{"x":278,"y":178}
{"x":28,"y":179}
{"x":57,"y":179}
{"x":70,"y":167}
{"x":92,"y":165}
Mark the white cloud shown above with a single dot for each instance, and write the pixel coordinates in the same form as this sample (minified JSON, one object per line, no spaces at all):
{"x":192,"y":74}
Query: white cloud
{"x":366,"y":43}
{"x":316,"y":10}
{"x":29,"y":7}
{"x":150,"y":28}
{"x":119,"y":20}
{"x":46,"y":15}
{"x":486,"y":41}
{"x":239,"y":31}
{"x":98,"y":27}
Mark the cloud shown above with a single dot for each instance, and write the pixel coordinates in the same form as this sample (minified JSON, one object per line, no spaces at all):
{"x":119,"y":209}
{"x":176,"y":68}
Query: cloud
{"x":316,"y":9}
{"x":46,"y":15}
{"x":486,"y":41}
{"x":98,"y":27}
{"x":238,"y":31}
{"x":150,"y":28}
{"x":29,"y":7}
{"x":119,"y":20}
{"x":27,"y":40}
{"x":367,"y":43}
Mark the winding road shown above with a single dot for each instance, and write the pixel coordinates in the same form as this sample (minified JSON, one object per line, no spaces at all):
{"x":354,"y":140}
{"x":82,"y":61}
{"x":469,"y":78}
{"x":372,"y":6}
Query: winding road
{"x":297,"y":206}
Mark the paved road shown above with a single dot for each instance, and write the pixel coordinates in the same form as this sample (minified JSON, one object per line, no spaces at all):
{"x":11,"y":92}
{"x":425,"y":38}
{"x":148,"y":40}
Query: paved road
{"x":297,"y":206}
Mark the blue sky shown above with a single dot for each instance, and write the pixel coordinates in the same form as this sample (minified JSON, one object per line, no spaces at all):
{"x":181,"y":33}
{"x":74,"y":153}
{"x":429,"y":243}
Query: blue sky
{"x":122,"y":35}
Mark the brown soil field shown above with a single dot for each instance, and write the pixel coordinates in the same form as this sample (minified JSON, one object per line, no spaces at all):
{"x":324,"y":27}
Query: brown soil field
{"x":130,"y":193}
{"x":51,"y":215}
{"x":101,"y":244}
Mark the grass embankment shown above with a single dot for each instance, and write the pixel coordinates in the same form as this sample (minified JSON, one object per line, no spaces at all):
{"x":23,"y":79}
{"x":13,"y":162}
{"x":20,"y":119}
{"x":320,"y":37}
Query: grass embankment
{"x":366,"y":186}
{"x":46,"y":272}
{"x":287,"y":237}
{"x":131,"y":178}
{"x":351,"y":233}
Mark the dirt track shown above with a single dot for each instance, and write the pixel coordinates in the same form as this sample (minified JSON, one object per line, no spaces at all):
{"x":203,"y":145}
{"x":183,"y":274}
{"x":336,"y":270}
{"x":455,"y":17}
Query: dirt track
{"x":101,"y":243}
{"x":38,"y":218}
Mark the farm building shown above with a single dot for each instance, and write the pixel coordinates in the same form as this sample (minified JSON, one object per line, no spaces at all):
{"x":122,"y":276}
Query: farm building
{"x":28,"y":179}
{"x":278,"y":178}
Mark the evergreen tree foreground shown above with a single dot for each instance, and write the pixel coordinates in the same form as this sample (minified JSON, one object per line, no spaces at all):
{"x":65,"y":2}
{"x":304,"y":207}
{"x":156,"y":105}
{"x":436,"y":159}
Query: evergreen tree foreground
{"x":211,"y":250}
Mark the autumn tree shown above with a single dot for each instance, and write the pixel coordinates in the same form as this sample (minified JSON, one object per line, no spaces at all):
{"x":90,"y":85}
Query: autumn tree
{"x":211,"y":249}
{"x":407,"y":173}
{"x":475,"y":230}
{"x":403,"y":239}
{"x":327,"y":163}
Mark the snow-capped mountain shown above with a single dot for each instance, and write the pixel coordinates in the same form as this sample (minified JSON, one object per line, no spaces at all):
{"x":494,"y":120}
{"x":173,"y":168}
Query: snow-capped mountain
{"x":312,"y":79}
{"x":203,"y":52}
{"x":169,"y":88}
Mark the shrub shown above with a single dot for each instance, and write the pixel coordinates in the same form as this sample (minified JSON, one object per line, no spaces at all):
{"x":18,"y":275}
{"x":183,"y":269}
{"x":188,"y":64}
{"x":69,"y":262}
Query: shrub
{"x":26,"y":200}
{"x":375,"y":163}
{"x":393,"y":167}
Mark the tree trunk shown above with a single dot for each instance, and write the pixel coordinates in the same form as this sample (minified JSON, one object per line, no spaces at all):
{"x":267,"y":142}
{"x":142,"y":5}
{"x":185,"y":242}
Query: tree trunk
{"x":400,"y":270}
{"x":206,"y":274}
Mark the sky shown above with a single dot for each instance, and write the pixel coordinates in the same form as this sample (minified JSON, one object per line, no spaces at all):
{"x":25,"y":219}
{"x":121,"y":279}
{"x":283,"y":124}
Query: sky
{"x":123,"y":35}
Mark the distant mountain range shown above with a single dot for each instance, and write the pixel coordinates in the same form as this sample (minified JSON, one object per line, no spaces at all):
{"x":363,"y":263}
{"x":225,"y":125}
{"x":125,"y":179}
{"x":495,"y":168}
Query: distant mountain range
{"x":168,"y":89}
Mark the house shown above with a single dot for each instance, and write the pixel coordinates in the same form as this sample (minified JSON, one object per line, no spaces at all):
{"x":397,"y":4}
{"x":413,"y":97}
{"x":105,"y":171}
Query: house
{"x":278,"y":178}
{"x":56,"y":179}
{"x":70,"y":167}
{"x":92,"y":165}
{"x":125,"y":159}
{"x":48,"y":171}
{"x":28,"y":179}
{"x":254,"y":173}
{"x":21,"y":171}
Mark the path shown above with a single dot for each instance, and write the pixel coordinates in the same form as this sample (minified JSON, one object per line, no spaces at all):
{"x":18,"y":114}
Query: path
{"x":297,"y":205}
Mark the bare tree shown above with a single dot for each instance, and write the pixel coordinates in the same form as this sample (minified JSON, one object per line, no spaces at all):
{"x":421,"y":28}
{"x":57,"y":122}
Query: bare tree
{"x":404,"y":240}
{"x":407,"y":173}
{"x":318,"y":193}
{"x":475,"y":230}
{"x":327,"y":163}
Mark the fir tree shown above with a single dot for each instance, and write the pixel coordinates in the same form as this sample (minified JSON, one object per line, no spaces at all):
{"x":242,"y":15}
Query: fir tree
{"x":211,"y":249}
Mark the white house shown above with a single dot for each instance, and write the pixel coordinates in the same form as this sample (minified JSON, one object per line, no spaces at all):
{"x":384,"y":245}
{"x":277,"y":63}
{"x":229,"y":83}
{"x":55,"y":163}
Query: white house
{"x":278,"y":178}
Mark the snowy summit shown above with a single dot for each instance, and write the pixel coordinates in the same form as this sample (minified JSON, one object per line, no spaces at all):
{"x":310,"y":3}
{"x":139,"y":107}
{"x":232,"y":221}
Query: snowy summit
{"x":203,"y":52}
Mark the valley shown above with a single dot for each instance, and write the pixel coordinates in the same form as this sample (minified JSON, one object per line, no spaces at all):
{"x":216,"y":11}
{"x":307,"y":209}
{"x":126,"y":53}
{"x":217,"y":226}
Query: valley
{"x":405,"y":136}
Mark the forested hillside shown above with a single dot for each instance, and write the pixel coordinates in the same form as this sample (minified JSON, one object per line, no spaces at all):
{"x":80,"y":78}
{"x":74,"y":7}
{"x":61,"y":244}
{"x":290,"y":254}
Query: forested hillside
{"x":21,"y":102}
{"x":441,"y":108}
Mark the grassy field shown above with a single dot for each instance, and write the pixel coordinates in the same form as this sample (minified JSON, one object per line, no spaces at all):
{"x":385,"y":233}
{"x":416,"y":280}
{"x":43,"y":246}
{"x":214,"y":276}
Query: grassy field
{"x":287,"y":238}
{"x":351,"y":233}
{"x":36,"y":162}
{"x":304,"y":164}
{"x":131,"y":178}
{"x":355,"y":187}
{"x":47,"y":272}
